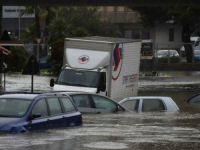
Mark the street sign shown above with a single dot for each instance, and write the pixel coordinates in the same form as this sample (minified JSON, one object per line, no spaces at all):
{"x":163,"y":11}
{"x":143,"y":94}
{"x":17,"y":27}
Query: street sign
{"x":38,"y":40}
{"x":32,"y":67}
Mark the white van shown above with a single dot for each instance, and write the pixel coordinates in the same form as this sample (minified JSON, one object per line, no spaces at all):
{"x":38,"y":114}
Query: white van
{"x":195,"y":45}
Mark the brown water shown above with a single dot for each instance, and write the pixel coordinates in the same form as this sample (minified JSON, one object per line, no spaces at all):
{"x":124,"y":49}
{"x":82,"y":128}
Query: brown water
{"x":131,"y":131}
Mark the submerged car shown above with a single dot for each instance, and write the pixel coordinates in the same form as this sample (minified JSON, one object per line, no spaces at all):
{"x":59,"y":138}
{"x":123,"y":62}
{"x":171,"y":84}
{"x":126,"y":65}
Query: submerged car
{"x":149,"y":103}
{"x":195,"y":99}
{"x":95,"y":104}
{"x":28,"y":112}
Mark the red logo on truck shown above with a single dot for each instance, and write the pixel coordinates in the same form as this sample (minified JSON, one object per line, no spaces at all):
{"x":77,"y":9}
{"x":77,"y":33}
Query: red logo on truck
{"x":117,"y":61}
{"x":83,"y":59}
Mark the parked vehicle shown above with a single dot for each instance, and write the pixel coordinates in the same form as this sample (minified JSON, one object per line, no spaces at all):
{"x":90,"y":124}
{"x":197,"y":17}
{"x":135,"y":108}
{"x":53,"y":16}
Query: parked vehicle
{"x":197,"y":55}
{"x":43,"y":64}
{"x":149,"y":103}
{"x":195,"y":99}
{"x":195,"y":44}
{"x":28,"y":112}
{"x":166,"y":53}
{"x":95,"y":64}
{"x":95,"y":104}
{"x":147,"y":48}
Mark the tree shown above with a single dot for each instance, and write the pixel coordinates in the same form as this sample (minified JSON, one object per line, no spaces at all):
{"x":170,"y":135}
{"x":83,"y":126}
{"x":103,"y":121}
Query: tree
{"x":75,"y":22}
{"x":42,"y":14}
{"x":187,"y":16}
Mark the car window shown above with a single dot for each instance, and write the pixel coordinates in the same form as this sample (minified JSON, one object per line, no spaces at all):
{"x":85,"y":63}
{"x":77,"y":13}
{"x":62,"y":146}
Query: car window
{"x":40,"y":107}
{"x":68,"y":106}
{"x":81,"y":100}
{"x":131,"y":104}
{"x":195,"y":99}
{"x":20,"y":107}
{"x":152,"y":104}
{"x":104,"y":103}
{"x":54,"y":106}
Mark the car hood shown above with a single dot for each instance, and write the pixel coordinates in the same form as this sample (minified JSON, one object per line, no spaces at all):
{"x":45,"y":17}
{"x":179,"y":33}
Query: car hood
{"x":4,"y":121}
{"x":73,"y":88}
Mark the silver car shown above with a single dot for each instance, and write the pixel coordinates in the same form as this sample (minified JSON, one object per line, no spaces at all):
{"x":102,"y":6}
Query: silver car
{"x":95,"y":104}
{"x":149,"y":103}
{"x":166,"y":53}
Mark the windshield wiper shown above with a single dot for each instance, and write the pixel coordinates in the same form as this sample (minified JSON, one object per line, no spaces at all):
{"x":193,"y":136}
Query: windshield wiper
{"x":79,"y":85}
{"x":4,"y":116}
{"x":63,"y":83}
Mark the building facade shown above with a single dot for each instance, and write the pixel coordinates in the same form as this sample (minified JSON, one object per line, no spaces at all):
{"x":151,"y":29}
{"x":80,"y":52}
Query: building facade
{"x":163,"y":36}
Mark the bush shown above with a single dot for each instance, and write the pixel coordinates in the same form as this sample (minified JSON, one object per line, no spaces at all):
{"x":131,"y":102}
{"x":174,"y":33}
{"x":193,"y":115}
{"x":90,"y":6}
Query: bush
{"x":18,"y":59}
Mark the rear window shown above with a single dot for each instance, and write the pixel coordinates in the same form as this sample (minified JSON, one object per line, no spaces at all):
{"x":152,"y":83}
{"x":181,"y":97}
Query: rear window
{"x":152,"y":104}
{"x":67,"y":104}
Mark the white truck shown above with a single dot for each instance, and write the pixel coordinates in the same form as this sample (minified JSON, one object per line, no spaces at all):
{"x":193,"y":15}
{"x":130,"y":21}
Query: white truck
{"x":104,"y":65}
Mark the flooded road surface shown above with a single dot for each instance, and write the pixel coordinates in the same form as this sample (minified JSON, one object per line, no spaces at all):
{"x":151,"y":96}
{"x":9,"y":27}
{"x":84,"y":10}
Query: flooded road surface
{"x":130,"y":131}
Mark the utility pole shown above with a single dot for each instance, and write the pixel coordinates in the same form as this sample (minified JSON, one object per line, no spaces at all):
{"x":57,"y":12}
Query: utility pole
{"x":1,"y":20}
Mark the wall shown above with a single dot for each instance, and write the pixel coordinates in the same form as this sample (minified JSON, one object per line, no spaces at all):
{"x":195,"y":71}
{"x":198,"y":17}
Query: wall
{"x":162,"y":36}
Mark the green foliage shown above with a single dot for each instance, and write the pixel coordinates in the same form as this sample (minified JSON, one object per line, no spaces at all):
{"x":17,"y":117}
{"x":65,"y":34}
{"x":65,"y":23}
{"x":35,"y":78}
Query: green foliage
{"x":151,"y":16}
{"x":28,"y":35}
{"x":18,"y":60}
{"x":75,"y":22}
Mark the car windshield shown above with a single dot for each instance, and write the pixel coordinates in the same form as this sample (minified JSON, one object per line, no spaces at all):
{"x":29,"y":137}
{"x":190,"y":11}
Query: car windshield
{"x":10,"y":107}
{"x":163,"y":53}
{"x":78,"y":78}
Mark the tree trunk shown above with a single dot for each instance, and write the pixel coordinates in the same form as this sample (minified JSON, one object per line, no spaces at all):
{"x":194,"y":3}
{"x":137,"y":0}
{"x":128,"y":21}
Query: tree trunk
{"x":188,"y":52}
{"x":37,"y":24}
{"x":1,"y":18}
{"x":186,"y":33}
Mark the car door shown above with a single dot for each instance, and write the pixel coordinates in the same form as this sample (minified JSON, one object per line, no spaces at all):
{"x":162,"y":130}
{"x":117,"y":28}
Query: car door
{"x":42,"y":122}
{"x":55,"y":110}
{"x":131,"y":104}
{"x":153,"y":104}
{"x":83,"y":103}
{"x":70,"y":117}
{"x":105,"y":105}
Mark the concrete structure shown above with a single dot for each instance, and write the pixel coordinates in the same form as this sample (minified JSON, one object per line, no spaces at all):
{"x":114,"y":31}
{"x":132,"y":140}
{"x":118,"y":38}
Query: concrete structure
{"x":164,"y":36}
{"x":13,"y":22}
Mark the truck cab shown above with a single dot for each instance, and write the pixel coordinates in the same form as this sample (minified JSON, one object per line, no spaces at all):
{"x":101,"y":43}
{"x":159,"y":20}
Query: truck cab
{"x":74,"y":80}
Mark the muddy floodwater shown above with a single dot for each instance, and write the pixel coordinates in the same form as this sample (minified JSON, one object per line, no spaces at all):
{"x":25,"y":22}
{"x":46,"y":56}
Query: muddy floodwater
{"x":130,"y":131}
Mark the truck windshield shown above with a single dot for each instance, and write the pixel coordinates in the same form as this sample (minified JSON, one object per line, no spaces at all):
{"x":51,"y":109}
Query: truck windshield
{"x":78,"y":78}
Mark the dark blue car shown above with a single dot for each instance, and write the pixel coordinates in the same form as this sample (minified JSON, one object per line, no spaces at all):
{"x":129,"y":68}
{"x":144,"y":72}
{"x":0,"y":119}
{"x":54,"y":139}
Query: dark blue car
{"x":43,"y":64}
{"x":28,"y":112}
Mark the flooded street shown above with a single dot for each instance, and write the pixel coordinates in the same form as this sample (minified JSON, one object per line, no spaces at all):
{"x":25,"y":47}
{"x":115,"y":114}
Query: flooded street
{"x":130,"y":131}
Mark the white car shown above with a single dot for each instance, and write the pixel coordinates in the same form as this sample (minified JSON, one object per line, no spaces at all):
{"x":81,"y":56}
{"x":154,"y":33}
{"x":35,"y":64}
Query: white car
{"x":166,"y":53}
{"x":149,"y":103}
{"x":195,"y":45}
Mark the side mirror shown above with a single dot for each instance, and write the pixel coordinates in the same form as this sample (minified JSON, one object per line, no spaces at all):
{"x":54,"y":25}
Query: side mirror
{"x":52,"y":82}
{"x":103,"y":87}
{"x":36,"y":115}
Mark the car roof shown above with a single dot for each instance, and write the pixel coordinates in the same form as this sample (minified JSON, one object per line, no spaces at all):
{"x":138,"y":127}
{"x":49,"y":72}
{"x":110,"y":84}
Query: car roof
{"x":166,"y":50}
{"x":22,"y":96}
{"x":74,"y":92}
{"x":30,"y":96}
{"x":146,"y":97}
